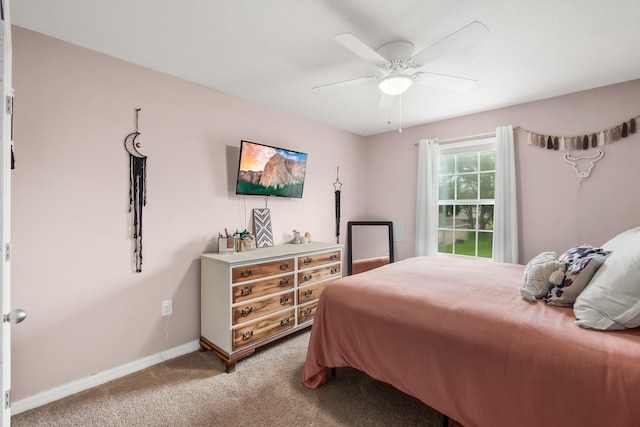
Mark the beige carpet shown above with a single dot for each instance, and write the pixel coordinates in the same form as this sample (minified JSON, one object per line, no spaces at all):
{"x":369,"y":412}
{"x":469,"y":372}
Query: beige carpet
{"x":265,"y":390}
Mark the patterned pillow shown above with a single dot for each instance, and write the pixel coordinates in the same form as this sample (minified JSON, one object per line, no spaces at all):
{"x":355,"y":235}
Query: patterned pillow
{"x":582,"y":263}
{"x":535,"y":282}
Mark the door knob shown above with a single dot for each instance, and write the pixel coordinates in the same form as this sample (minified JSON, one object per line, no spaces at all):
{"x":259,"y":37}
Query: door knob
{"x":15,"y":316}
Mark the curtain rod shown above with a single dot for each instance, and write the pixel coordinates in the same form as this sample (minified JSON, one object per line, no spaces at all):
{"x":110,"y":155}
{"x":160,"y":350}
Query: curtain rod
{"x":466,"y":138}
{"x":470,"y":137}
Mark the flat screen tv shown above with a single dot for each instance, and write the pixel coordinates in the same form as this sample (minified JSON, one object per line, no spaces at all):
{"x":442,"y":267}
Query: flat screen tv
{"x":264,"y":170}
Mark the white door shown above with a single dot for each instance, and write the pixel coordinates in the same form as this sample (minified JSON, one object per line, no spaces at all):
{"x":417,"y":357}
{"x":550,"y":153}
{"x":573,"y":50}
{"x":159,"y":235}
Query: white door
{"x":6,"y":106}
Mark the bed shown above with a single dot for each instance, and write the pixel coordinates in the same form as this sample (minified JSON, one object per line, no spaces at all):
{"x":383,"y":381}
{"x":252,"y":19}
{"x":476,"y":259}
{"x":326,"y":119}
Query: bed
{"x":455,"y":333}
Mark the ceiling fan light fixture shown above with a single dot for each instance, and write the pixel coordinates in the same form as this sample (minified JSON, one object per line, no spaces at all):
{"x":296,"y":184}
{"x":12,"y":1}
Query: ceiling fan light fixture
{"x":395,"y":84}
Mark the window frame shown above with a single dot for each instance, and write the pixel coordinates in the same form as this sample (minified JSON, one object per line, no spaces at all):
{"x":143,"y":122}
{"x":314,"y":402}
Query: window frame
{"x":456,"y":148}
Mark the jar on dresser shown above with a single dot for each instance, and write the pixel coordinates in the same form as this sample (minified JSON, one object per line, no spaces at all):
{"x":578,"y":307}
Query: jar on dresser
{"x":249,"y":299}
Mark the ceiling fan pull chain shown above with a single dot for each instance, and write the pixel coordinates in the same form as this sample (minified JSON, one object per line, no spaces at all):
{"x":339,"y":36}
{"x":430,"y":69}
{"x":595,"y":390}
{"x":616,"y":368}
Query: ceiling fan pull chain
{"x":400,"y":107}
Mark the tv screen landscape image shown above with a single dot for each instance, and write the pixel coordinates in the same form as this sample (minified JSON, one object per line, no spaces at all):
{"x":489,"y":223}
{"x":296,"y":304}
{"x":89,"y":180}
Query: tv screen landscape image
{"x":264,"y":170}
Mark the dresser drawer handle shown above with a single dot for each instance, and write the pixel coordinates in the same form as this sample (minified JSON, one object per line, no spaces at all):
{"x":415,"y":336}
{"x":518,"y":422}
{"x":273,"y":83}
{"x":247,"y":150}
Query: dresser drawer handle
{"x":247,"y":335}
{"x":246,"y":273}
{"x":307,"y":276}
{"x":284,"y":299}
{"x":307,"y":261}
{"x":246,"y":311}
{"x":285,"y":321}
{"x":333,"y":257}
{"x":334,"y":270}
{"x":284,"y":266}
{"x":307,"y":312}
{"x":284,"y":282}
{"x":246,"y":291}
{"x":308,"y":293}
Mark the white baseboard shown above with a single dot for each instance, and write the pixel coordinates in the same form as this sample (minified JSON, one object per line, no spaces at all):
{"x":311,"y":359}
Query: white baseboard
{"x":57,"y":393}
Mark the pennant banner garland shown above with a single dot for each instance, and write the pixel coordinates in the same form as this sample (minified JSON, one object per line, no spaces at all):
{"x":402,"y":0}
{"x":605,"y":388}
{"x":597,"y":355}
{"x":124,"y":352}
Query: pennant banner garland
{"x":582,"y":142}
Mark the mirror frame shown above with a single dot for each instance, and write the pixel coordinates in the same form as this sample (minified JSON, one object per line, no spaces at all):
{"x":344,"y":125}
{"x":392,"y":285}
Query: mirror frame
{"x":350,"y":224}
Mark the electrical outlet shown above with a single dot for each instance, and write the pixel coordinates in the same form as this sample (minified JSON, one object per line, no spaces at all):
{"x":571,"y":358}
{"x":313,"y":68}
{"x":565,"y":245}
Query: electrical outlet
{"x":167,"y":307}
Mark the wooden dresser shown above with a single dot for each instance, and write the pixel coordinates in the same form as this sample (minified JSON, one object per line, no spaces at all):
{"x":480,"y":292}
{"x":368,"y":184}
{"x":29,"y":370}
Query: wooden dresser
{"x":249,"y":299}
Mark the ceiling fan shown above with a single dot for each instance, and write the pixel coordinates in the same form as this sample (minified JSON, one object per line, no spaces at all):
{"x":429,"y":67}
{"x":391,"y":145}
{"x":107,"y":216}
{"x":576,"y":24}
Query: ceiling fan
{"x":400,"y":67}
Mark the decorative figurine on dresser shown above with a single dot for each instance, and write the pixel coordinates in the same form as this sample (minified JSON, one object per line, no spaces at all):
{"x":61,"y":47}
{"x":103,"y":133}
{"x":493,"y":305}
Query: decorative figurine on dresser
{"x":249,"y":299}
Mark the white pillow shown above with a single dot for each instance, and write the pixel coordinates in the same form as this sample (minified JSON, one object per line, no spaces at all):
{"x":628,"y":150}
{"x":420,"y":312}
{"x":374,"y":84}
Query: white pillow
{"x":611,"y":301}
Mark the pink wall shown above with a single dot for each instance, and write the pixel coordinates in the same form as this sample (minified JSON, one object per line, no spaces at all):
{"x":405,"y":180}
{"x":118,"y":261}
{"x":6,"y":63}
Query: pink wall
{"x":72,"y":251}
{"x":554,"y":213}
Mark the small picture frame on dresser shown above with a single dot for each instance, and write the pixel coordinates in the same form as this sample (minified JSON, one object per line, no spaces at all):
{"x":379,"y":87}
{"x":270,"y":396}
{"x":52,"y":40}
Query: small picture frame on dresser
{"x":262,"y":228}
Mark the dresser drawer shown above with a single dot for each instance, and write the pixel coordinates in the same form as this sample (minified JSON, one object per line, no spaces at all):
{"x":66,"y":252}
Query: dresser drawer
{"x":264,"y":328}
{"x":311,"y":292}
{"x":311,"y":276}
{"x":252,"y":290}
{"x":307,"y":312}
{"x":318,"y":259}
{"x":253,"y":309}
{"x":266,"y":269}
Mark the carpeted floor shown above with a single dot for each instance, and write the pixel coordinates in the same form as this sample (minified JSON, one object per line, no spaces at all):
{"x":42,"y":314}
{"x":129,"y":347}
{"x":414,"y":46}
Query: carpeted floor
{"x":265,"y":390}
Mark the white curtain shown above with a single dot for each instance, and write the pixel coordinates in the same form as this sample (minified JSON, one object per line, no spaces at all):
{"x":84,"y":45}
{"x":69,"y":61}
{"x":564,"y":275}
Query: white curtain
{"x":427,"y":198}
{"x":505,"y":216}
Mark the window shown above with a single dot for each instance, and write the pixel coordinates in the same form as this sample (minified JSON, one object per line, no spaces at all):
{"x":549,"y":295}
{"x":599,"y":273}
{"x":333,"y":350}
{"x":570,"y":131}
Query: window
{"x":466,"y":198}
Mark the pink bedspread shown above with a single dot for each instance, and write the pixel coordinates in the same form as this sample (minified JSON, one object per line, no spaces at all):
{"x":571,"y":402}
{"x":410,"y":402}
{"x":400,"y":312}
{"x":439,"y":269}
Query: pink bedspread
{"x":454,"y":333}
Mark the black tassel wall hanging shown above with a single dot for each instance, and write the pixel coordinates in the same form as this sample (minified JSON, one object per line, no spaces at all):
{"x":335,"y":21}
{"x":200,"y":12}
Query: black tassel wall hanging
{"x":137,"y":191}
{"x":337,"y":186}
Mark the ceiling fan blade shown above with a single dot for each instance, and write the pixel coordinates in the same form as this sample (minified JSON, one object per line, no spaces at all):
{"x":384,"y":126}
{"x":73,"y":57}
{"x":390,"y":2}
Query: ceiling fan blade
{"x":361,"y":49}
{"x":462,"y":38}
{"x":388,"y":101}
{"x":459,"y":84}
{"x":346,"y":83}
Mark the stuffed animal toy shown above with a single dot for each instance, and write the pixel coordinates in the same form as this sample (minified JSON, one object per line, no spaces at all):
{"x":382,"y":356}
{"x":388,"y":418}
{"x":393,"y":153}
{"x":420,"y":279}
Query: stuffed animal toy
{"x":540,"y":274}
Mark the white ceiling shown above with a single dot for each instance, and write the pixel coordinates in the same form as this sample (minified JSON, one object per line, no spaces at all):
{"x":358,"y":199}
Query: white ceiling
{"x":274,"y":51}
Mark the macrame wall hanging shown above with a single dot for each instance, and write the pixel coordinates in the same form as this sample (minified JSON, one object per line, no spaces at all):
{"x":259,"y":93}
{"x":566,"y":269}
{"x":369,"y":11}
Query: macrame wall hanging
{"x":582,"y":143}
{"x":137,"y":191}
{"x":337,"y":186}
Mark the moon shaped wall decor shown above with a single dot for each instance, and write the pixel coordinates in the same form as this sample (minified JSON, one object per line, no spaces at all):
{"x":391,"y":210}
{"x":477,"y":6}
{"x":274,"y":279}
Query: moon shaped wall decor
{"x":137,"y":191}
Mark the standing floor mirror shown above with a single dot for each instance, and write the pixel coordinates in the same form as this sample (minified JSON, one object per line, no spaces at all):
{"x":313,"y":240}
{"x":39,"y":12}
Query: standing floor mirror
{"x":369,"y":245}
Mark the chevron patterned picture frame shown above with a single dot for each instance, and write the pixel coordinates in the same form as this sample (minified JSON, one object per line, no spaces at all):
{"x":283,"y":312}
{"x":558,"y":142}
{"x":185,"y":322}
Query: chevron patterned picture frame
{"x":262,"y":228}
